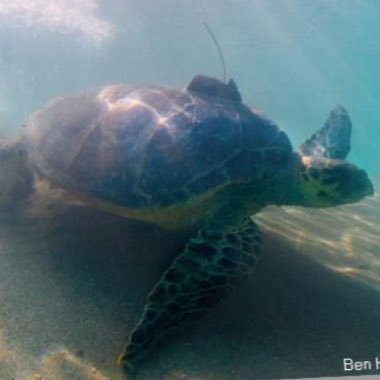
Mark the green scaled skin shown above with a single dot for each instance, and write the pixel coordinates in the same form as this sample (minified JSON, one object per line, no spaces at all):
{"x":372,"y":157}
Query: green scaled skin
{"x":210,"y":266}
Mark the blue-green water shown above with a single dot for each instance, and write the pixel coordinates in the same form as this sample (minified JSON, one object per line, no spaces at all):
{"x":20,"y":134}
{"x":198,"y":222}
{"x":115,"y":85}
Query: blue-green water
{"x":67,"y":309}
{"x":294,"y":59}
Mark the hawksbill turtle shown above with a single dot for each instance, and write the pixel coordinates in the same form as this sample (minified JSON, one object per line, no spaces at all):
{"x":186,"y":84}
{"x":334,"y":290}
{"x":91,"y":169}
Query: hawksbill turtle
{"x":195,"y":160}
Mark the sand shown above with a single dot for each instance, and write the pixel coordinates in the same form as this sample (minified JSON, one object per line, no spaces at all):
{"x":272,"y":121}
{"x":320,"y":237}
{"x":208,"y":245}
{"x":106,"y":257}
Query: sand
{"x":70,"y":293}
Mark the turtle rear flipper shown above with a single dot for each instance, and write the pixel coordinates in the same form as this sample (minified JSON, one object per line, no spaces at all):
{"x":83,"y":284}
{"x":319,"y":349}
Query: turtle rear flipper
{"x":16,"y":178}
{"x":333,"y":139}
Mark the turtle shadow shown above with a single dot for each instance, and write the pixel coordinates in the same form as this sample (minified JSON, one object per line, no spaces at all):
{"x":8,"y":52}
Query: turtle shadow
{"x":294,"y":318}
{"x":78,"y":280}
{"x":82,"y":283}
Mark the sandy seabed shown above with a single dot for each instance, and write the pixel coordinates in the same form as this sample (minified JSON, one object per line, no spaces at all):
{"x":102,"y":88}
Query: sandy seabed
{"x":71,"y":292}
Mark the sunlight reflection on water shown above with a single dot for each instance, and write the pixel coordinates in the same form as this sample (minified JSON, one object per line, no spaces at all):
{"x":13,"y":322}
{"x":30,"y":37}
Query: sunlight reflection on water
{"x":345,"y":239}
{"x":78,"y":16}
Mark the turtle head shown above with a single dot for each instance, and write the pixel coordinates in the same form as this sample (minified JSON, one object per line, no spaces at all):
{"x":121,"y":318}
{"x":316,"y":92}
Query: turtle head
{"x":327,"y":182}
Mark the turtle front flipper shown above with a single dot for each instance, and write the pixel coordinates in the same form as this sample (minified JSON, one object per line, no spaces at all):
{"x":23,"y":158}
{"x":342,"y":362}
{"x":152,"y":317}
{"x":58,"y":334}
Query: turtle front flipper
{"x":333,"y":139}
{"x":209,"y":267}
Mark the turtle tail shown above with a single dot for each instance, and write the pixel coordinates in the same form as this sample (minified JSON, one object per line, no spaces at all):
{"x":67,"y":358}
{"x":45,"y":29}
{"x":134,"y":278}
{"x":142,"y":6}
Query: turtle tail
{"x":16,"y":178}
{"x":333,"y":139}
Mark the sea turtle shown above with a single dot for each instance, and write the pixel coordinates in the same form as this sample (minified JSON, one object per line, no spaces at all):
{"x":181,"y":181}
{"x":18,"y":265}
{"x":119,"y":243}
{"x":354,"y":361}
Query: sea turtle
{"x":195,"y":160}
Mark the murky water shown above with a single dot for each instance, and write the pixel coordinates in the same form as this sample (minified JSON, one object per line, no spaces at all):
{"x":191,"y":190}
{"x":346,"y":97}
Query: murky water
{"x":73,"y":280}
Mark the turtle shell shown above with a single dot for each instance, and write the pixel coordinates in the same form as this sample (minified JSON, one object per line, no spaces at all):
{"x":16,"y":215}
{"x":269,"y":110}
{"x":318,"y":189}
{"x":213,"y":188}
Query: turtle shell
{"x":151,"y":146}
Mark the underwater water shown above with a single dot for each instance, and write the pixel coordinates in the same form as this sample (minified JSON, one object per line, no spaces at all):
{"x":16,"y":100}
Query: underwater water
{"x":72,"y":287}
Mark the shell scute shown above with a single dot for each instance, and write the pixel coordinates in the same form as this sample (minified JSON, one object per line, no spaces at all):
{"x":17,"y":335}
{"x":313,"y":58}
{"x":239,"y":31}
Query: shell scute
{"x":151,"y":146}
